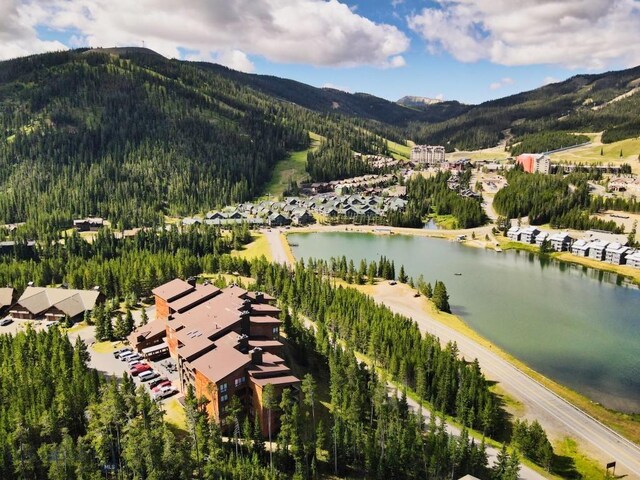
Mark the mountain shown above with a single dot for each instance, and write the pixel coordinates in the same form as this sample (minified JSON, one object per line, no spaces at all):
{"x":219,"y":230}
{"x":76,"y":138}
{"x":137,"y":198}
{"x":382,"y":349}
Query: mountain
{"x":606,"y":102}
{"x":419,"y":102}
{"x":130,"y":135}
{"x":331,"y":100}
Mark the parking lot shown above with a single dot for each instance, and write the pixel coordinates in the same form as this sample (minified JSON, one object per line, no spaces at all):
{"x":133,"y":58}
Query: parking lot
{"x":102,"y":358}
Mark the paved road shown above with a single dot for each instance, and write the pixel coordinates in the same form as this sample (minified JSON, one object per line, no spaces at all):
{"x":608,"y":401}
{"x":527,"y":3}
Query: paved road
{"x":550,"y":409}
{"x":277,"y":249}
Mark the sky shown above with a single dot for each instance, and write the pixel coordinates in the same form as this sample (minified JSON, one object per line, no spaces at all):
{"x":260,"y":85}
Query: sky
{"x":465,"y":50}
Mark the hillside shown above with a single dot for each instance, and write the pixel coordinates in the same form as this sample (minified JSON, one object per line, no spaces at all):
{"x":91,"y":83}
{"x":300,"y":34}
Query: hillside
{"x":130,"y":135}
{"x":585,"y":103}
{"x":330,"y":100}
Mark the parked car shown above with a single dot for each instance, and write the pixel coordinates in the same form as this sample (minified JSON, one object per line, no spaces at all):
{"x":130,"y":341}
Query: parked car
{"x":124,"y":356}
{"x":164,"y":392}
{"x":138,"y":369}
{"x":6,"y":321}
{"x":128,"y":358}
{"x":122,"y":351}
{"x":148,"y":375}
{"x":157,"y":388}
{"x":157,"y":381}
{"x":133,"y":363}
{"x":52,"y":323}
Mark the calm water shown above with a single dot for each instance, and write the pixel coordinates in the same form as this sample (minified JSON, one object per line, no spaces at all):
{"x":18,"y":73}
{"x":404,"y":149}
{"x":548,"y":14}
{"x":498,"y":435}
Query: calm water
{"x":578,"y":326}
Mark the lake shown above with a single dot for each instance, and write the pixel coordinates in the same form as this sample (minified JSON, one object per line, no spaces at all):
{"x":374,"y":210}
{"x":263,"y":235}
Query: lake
{"x":575,"y":325}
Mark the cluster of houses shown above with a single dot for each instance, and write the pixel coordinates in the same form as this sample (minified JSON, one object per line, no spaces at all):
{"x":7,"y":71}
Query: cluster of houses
{"x":453,"y":183}
{"x":301,"y":210}
{"x":226,"y":343}
{"x":354,"y":184}
{"x":381,"y":162}
{"x":604,"y":247}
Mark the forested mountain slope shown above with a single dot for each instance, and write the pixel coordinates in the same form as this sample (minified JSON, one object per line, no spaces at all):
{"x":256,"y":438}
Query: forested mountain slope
{"x":130,"y":135}
{"x":331,"y":100}
{"x":582,"y":103}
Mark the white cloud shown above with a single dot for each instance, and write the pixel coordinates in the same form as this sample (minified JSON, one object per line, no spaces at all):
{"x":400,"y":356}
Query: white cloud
{"x":18,"y":36}
{"x":440,"y":97}
{"x":316,"y":32}
{"x":237,"y":60}
{"x":548,"y":80}
{"x":501,"y":83}
{"x":571,"y":33}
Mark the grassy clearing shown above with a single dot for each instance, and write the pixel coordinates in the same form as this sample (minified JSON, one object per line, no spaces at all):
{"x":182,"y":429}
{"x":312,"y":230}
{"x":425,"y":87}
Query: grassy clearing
{"x":106,"y":347}
{"x":293,"y":169}
{"x":175,"y":414}
{"x":610,"y":153}
{"x":290,"y":170}
{"x":584,"y":466}
{"x":446,"y":222}
{"x":258,"y":247}
{"x":399,"y":151}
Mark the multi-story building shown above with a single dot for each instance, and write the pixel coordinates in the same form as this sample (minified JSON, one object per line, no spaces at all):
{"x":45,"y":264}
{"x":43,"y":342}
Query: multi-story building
{"x":534,"y":162}
{"x":225,"y":345}
{"x":427,"y":154}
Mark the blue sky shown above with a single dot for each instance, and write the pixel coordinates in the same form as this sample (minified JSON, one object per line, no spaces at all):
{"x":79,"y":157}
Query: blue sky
{"x":467,"y":50}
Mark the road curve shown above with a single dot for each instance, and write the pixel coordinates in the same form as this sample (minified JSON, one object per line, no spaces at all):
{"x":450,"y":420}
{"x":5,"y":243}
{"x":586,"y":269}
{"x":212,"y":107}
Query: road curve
{"x":548,"y":407}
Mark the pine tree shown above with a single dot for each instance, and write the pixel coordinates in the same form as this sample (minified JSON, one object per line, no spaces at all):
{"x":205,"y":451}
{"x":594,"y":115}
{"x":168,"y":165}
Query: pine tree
{"x":144,"y":318}
{"x":120,"y":328}
{"x":128,"y":322}
{"x":402,"y":278}
{"x":440,"y":297}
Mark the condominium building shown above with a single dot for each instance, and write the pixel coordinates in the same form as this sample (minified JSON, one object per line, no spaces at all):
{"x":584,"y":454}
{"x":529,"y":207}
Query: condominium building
{"x":427,"y":154}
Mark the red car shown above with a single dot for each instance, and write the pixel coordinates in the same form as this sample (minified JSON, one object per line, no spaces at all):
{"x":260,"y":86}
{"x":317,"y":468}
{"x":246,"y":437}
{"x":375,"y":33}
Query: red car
{"x":137,"y":369}
{"x":157,"y":388}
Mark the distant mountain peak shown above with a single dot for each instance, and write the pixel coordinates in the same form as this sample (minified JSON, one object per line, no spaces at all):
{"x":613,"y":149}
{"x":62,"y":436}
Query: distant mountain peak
{"x":413,"y":101}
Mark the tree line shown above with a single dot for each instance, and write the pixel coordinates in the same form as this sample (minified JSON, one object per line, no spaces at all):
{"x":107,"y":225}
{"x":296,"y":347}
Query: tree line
{"x":432,"y":195}
{"x":562,"y":201}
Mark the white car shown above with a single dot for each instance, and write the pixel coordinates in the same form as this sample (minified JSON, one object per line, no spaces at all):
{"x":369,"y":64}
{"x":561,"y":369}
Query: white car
{"x":128,"y":358}
{"x":148,"y":375}
{"x":164,"y":392}
{"x":133,"y":363}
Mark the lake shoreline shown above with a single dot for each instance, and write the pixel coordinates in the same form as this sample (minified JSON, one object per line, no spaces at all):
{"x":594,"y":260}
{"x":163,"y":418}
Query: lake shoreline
{"x":495,"y":243}
{"x":626,"y":424}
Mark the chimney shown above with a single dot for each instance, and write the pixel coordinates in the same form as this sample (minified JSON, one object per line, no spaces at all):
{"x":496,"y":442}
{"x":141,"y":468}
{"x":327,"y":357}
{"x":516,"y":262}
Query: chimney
{"x":259,"y":297}
{"x":245,"y":322}
{"x":30,"y":284}
{"x":97,"y":288}
{"x":256,"y":356}
{"x":243,"y":343}
{"x":191,"y":281}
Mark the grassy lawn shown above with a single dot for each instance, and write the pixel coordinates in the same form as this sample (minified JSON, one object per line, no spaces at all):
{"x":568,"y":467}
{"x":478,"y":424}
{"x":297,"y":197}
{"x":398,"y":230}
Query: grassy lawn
{"x":175,"y":414}
{"x":106,"y":347}
{"x":257,"y":248}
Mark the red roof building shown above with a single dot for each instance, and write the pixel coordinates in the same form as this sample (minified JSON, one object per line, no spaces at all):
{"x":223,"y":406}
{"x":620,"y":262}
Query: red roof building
{"x":226,"y":343}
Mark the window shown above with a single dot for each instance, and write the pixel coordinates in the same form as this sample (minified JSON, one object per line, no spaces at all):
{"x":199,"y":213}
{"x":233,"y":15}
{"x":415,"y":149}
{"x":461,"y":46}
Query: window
{"x":224,"y":397}
{"x":276,"y":331}
{"x":222,"y":387}
{"x":239,"y":381}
